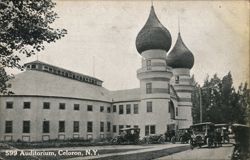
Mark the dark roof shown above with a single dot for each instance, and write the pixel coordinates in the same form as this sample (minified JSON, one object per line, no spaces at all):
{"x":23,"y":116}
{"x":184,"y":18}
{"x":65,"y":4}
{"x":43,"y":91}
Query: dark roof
{"x":180,"y":56}
{"x":153,"y":35}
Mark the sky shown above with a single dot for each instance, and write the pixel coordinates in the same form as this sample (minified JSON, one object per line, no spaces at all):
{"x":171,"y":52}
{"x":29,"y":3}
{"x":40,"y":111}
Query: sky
{"x":101,"y":38}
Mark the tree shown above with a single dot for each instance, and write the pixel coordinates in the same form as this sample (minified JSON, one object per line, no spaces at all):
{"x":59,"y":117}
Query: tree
{"x":221,"y":103}
{"x":25,"y":25}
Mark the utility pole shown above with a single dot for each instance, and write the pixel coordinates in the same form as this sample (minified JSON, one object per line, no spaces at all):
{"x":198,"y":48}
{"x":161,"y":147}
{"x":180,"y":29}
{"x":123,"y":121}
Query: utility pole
{"x":200,"y":104}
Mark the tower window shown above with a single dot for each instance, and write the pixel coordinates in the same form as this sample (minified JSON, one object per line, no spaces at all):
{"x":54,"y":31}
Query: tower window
{"x":9,"y":105}
{"x":26,"y":126}
{"x":148,"y":64}
{"x":176,"y":111}
{"x":136,"y":109}
{"x":148,"y":88}
{"x":101,"y":108}
{"x":120,"y":109}
{"x":8,"y":126}
{"x":108,"y":109}
{"x":114,"y":108}
{"x":177,"y":79}
{"x":128,"y":108}
{"x":149,"y":107}
{"x":26,"y":105}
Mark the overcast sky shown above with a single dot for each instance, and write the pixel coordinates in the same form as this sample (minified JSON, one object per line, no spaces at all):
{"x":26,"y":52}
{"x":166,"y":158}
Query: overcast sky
{"x":216,"y":32}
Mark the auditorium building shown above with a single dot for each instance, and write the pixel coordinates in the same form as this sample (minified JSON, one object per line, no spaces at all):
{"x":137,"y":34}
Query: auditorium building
{"x":51,"y":102}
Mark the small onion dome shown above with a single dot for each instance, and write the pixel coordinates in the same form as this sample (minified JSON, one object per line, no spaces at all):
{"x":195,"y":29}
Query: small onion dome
{"x":153,"y":35}
{"x":180,"y":56}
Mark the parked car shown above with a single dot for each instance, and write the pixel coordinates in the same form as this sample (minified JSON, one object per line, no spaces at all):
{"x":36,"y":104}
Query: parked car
{"x":153,"y":139}
{"x":127,"y":136}
{"x":224,"y":132}
{"x":202,"y":133}
{"x":183,"y":135}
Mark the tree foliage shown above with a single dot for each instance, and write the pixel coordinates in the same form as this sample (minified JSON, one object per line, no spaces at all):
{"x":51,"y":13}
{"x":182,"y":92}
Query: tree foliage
{"x":25,"y":25}
{"x":221,"y":102}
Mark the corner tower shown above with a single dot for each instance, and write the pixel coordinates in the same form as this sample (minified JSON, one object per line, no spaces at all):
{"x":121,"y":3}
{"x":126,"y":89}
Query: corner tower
{"x":153,"y":42}
{"x":181,"y":60}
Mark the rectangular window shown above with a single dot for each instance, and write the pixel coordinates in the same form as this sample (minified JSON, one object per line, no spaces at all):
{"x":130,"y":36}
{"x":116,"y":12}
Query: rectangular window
{"x":146,"y":130}
{"x":114,"y":108}
{"x":89,"y":108}
{"x":101,"y":108}
{"x":9,"y":105}
{"x":101,"y":126}
{"x":169,"y":88}
{"x":148,"y":88}
{"x":128,"y":108}
{"x":108,"y":109}
{"x":8,"y":126}
{"x":136,"y":109}
{"x":152,"y":129}
{"x":177,"y":79}
{"x":26,"y":105}
{"x":76,"y":107}
{"x":46,"y":105}
{"x":90,"y":126}
{"x":149,"y":107}
{"x":149,"y":129}
{"x":128,"y":126}
{"x":33,"y":66}
{"x":148,"y":64}
{"x":120,"y":127}
{"x":76,"y":126}
{"x":176,"y":111}
{"x":61,"y":126}
{"x":46,"y":127}
{"x":114,"y":128}
{"x":108,"y":126}
{"x":62,"y":106}
{"x":26,"y":126}
{"x":120,"y":109}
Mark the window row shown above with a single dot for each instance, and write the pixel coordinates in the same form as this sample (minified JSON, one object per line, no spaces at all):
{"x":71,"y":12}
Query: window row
{"x":46,"y":105}
{"x":62,"y":128}
{"x":46,"y":126}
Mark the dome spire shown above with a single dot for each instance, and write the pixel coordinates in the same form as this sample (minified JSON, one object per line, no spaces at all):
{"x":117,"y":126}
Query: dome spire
{"x":153,"y":35}
{"x":180,"y":56}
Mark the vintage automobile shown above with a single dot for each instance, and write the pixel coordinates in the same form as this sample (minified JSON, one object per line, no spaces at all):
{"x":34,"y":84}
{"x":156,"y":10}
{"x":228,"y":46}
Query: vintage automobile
{"x":183,"y":135}
{"x":242,"y":141}
{"x":127,"y":136}
{"x":153,"y":139}
{"x":201,"y":134}
{"x":224,"y":131}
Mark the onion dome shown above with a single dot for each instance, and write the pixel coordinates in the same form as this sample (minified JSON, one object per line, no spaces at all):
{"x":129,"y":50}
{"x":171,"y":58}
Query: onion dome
{"x":180,"y":56}
{"x":153,"y":35}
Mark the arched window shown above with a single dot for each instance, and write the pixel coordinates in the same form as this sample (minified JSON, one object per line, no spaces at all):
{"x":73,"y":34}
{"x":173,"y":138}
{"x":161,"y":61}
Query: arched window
{"x":171,"y":109}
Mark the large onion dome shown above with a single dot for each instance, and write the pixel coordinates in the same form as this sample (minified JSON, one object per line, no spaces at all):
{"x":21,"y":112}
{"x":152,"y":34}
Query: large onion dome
{"x":180,"y":56}
{"x":153,"y":35}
